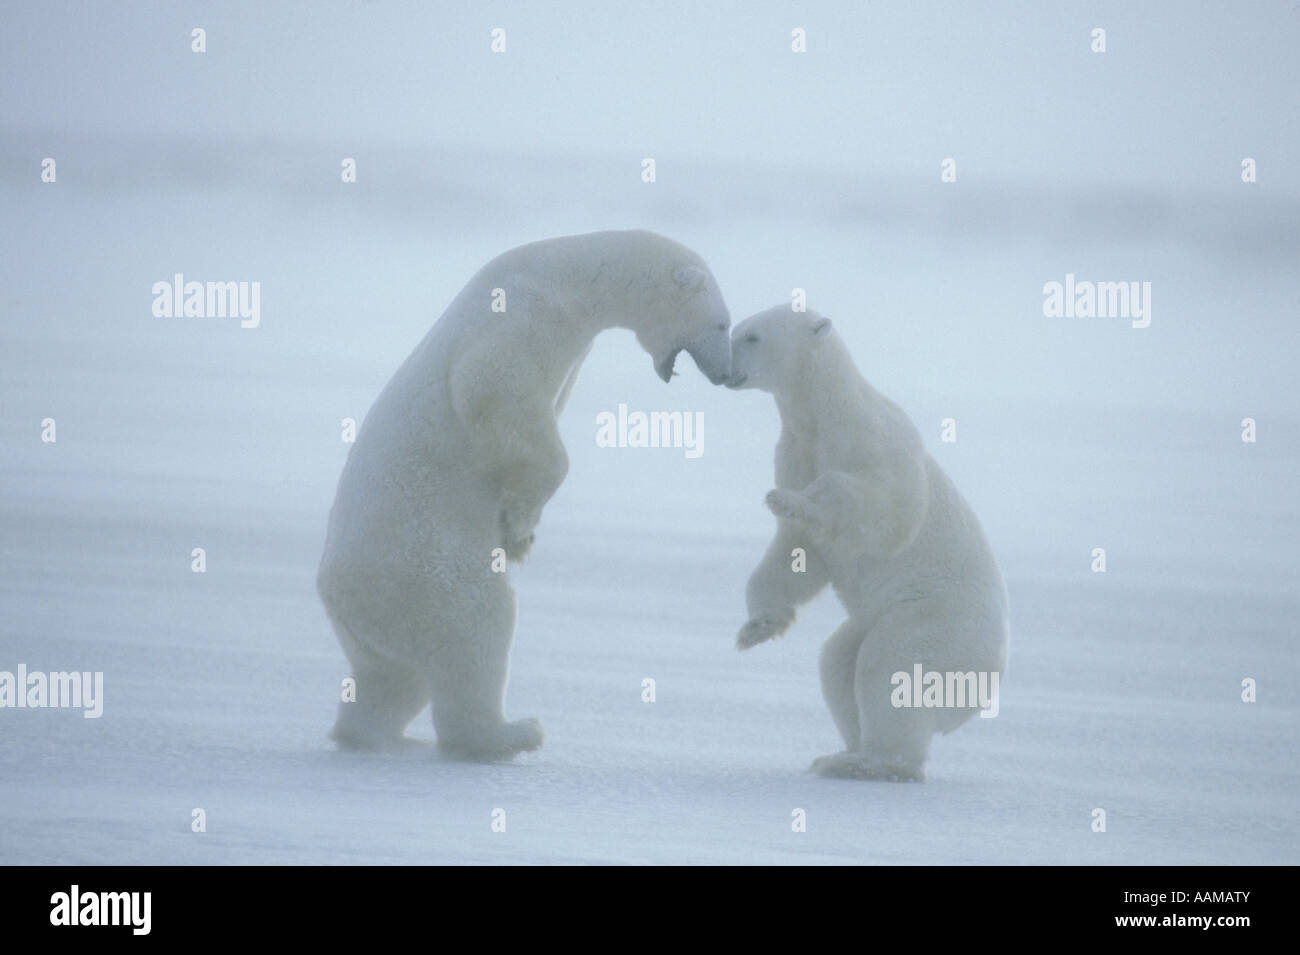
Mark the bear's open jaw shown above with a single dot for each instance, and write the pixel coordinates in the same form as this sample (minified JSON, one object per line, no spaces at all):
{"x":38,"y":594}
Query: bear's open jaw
{"x":665,"y":366}
{"x":714,"y":366}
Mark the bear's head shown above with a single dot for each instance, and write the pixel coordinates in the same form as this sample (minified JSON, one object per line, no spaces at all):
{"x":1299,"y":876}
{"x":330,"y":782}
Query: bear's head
{"x":680,"y":309}
{"x":770,"y":351}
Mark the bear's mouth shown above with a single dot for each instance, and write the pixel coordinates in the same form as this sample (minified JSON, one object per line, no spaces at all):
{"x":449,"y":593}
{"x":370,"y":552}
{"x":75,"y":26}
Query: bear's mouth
{"x":737,"y":381}
{"x":665,"y":365}
{"x":713,"y":358}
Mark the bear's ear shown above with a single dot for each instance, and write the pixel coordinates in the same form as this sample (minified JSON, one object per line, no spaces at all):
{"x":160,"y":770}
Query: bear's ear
{"x":690,"y":277}
{"x":821,"y":326}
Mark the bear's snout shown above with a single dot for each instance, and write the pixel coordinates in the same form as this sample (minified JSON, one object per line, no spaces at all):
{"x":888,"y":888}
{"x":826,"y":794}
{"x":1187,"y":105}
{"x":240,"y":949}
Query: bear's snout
{"x":713,"y":356}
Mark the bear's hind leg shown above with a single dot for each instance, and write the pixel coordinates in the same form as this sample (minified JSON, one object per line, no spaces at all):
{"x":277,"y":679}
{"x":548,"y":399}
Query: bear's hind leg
{"x":894,"y":741}
{"x":469,"y":673}
{"x":388,"y":697}
{"x":838,"y":664}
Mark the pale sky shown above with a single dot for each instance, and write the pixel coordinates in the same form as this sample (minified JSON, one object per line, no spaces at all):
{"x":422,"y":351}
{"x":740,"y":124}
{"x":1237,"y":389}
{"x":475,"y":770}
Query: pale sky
{"x":1011,"y":89}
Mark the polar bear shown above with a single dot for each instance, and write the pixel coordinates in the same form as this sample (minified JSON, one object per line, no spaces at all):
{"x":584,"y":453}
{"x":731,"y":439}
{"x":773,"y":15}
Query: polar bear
{"x":862,"y":506}
{"x":455,"y":461}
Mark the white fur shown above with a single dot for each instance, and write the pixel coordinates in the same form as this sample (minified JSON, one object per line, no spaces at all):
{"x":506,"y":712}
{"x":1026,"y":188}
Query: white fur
{"x":458,"y":456}
{"x":881,"y":523}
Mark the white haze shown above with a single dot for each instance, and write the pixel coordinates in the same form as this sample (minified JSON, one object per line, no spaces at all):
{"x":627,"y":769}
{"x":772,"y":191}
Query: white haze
{"x":818,"y":171}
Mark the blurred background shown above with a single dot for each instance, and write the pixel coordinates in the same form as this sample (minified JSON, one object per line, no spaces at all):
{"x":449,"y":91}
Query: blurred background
{"x":818,"y":170}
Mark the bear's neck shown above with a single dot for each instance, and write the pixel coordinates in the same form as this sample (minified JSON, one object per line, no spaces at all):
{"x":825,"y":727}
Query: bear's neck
{"x":828,"y":388}
{"x":595,"y":281}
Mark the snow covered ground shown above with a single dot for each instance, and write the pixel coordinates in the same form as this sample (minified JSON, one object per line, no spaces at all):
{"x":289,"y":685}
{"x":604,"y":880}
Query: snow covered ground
{"x":1124,"y":688}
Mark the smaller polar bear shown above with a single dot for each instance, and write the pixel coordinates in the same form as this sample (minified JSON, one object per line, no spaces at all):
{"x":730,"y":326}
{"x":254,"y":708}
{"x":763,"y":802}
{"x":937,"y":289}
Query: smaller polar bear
{"x":862,"y":506}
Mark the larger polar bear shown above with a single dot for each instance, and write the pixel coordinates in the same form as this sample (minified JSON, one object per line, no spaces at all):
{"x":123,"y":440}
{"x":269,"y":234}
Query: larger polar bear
{"x":862,"y":506}
{"x":458,"y":456}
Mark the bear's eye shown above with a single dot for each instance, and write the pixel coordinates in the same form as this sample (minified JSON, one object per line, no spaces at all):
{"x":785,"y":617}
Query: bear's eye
{"x":751,"y":339}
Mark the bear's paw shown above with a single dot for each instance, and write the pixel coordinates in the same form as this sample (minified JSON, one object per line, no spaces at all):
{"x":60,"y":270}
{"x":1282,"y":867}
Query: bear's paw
{"x":764,"y":627}
{"x":854,"y":765}
{"x":795,"y":507}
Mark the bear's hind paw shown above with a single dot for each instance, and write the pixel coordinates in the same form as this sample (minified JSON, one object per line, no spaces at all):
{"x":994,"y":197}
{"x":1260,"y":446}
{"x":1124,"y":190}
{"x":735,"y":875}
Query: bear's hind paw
{"x":525,"y":735}
{"x":500,"y":742}
{"x":853,"y":765}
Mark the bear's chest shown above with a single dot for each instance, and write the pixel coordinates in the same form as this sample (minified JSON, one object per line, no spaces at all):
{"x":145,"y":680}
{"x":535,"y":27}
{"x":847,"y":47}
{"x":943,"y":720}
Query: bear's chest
{"x":800,"y":460}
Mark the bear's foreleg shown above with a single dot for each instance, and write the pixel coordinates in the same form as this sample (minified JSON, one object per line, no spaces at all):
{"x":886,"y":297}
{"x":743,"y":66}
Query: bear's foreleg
{"x":790,"y":574}
{"x":800,"y":509}
{"x":876,"y":513}
{"x":514,"y":448}
{"x":530,"y":464}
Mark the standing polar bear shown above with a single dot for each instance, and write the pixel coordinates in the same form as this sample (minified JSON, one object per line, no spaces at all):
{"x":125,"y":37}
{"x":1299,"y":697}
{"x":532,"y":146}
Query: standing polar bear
{"x":456,"y":460}
{"x":862,"y":506}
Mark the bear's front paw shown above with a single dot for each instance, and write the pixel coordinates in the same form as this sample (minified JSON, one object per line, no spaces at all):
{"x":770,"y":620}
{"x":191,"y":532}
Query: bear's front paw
{"x":517,"y":525}
{"x":517,"y":550}
{"x":793,"y":506}
{"x":764,"y":627}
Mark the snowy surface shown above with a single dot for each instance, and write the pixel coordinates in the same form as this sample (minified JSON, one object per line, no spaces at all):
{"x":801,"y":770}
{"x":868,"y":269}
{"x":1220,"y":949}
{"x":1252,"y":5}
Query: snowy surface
{"x":1123,"y":690}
